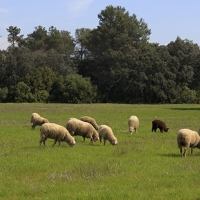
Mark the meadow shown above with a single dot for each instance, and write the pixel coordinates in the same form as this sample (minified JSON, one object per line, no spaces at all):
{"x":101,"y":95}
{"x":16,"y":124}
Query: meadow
{"x":143,"y":166}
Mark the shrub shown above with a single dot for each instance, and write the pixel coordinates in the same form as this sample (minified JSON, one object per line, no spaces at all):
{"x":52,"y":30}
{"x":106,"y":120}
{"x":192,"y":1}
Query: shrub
{"x":3,"y":93}
{"x":74,"y":89}
{"x":23,"y":93}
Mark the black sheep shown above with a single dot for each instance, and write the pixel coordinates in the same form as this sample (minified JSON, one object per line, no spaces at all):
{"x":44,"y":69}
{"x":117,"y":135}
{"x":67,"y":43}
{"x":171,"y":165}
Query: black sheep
{"x":159,"y":124}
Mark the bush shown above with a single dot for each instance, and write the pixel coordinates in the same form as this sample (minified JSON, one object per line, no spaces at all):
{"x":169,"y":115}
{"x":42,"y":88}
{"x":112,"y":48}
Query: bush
{"x":23,"y":93}
{"x":186,"y":96}
{"x":79,"y":89}
{"x":73,"y":89}
{"x":3,"y":93}
{"x":41,"y":96}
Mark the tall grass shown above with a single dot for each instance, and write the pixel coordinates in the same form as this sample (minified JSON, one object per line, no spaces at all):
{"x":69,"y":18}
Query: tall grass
{"x":145,"y":165}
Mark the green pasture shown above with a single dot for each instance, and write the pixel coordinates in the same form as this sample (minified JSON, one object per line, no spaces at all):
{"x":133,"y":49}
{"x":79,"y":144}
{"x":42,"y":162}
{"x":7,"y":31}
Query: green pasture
{"x":143,"y":166}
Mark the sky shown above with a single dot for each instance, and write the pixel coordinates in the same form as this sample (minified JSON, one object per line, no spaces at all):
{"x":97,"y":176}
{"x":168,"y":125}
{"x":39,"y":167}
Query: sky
{"x":167,"y":19}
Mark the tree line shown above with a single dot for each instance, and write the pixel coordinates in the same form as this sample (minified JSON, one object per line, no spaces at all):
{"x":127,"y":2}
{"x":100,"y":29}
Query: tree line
{"x":114,"y":62}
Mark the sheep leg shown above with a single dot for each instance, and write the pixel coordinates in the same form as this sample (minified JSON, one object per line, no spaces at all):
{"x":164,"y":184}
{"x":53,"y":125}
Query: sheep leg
{"x":54,"y":142}
{"x":92,"y":139}
{"x":33,"y":126}
{"x":100,"y":138}
{"x":184,"y":153}
{"x":192,"y":150}
{"x":42,"y":140}
{"x":181,"y":151}
{"x":104,"y":141}
{"x":83,"y":138}
{"x":59,"y":141}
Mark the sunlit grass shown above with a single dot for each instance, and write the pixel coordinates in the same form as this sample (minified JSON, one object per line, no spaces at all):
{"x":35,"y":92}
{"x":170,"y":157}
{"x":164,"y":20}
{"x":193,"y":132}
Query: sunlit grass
{"x":142,"y":166}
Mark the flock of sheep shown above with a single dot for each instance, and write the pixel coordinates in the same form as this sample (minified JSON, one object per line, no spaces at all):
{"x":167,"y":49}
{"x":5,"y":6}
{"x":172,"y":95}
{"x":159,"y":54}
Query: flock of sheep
{"x":87,"y":128}
{"x":185,"y":138}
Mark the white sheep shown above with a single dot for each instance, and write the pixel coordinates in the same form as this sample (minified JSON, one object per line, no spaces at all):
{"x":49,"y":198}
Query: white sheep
{"x":133,"y":124}
{"x":90,"y":120}
{"x":106,"y":133}
{"x":37,"y":120}
{"x":187,"y":138}
{"x":84,"y":129}
{"x":57,"y":132}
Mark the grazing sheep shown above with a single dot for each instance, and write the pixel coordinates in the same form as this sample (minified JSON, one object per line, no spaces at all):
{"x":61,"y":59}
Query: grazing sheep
{"x":37,"y":120}
{"x":57,"y":132}
{"x":159,"y":124}
{"x":84,"y":129}
{"x":133,"y":124}
{"x":106,"y":133}
{"x":91,"y":121}
{"x":187,"y":138}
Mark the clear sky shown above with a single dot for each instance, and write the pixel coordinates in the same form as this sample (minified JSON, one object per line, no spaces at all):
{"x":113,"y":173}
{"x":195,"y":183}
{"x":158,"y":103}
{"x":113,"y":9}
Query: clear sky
{"x":167,"y":19}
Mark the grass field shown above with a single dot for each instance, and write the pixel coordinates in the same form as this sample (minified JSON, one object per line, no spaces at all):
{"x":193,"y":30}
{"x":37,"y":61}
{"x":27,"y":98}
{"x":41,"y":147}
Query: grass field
{"x":143,"y":166}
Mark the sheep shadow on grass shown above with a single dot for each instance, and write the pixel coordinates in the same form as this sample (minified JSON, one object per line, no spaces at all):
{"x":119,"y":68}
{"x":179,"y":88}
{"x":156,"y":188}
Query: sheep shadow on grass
{"x":172,"y":155}
{"x":175,"y":155}
{"x":184,"y":108}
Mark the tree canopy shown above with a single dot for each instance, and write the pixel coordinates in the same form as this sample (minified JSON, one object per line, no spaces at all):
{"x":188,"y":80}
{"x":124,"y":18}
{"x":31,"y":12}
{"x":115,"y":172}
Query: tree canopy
{"x":114,"y":62}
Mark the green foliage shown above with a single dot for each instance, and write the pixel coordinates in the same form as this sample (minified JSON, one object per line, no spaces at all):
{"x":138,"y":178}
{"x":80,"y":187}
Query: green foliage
{"x":81,"y":38}
{"x":185,"y":52}
{"x":53,"y":39}
{"x":36,"y":40}
{"x":186,"y":96}
{"x":73,"y":89}
{"x":13,"y":35}
{"x":142,"y":166}
{"x":41,"y":96}
{"x":115,"y":57}
{"x":58,"y":87}
{"x":114,"y":44}
{"x":61,"y":42}
{"x":22,"y":93}
{"x":118,"y":33}
{"x":3,"y":94}
{"x":78,"y":89}
{"x":41,"y":79}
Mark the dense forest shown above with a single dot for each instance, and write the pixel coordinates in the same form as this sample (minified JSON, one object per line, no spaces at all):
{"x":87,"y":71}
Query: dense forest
{"x":114,"y":62}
